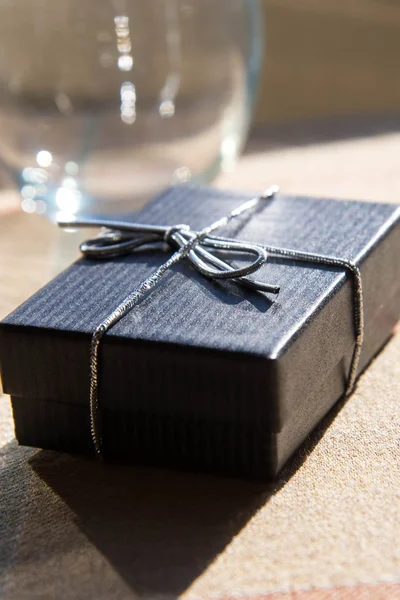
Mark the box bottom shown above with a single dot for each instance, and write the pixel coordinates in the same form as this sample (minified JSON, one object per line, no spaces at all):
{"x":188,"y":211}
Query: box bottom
{"x":235,"y":449}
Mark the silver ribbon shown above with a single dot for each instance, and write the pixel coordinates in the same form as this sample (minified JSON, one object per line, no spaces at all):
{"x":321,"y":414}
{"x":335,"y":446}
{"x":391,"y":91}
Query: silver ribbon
{"x":123,"y":237}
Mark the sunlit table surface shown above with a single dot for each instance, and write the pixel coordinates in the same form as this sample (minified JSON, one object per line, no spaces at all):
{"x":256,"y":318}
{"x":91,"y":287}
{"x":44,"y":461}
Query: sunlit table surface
{"x":328,"y":528}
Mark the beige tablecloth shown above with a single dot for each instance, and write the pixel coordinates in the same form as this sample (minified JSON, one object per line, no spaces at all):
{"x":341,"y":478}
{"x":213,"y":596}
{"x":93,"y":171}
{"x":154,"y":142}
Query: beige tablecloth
{"x":329,"y":528}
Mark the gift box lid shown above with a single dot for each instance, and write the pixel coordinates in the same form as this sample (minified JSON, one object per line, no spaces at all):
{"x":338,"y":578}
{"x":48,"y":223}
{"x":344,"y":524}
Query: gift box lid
{"x":195,"y":346}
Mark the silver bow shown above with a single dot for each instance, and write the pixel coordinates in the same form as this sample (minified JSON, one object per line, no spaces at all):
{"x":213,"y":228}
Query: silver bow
{"x":121,"y":237}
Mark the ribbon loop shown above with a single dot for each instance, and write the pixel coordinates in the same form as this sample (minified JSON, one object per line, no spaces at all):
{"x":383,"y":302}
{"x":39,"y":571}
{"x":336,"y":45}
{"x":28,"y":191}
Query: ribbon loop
{"x":205,"y":261}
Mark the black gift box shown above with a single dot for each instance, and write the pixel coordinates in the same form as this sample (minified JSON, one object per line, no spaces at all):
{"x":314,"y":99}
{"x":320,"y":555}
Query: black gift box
{"x":203,"y":375}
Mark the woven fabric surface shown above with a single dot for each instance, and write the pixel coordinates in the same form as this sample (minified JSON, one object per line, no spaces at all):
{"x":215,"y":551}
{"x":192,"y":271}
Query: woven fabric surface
{"x":328,"y":528}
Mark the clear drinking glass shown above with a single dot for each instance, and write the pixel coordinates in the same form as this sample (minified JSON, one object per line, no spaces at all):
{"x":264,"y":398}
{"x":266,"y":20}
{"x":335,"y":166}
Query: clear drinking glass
{"x":105,"y":102}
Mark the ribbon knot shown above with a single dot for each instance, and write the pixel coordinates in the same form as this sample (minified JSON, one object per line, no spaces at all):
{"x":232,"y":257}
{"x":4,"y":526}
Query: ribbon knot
{"x":174,"y":229}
